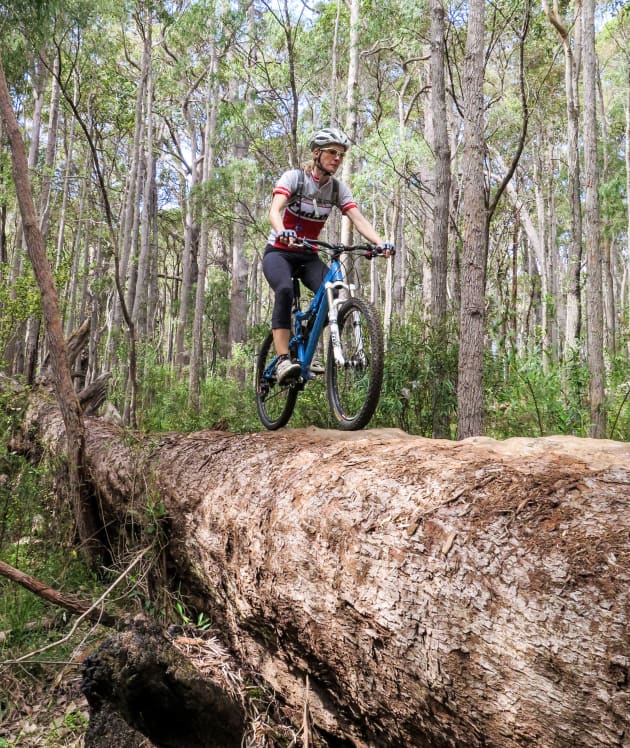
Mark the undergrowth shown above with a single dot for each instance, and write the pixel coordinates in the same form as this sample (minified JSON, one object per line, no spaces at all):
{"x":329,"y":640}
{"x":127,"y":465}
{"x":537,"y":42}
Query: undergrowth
{"x":526,"y":395}
{"x":42,"y":647}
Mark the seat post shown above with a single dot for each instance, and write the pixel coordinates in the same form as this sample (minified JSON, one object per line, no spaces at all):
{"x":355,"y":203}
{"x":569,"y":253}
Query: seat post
{"x":296,"y":294}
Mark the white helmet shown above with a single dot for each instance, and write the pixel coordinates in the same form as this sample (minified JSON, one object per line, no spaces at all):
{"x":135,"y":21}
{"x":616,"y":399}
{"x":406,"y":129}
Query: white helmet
{"x":327,"y":136}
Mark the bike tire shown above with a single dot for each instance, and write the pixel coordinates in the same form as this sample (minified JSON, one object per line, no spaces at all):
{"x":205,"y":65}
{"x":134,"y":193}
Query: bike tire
{"x":274,"y":402}
{"x":355,"y":388}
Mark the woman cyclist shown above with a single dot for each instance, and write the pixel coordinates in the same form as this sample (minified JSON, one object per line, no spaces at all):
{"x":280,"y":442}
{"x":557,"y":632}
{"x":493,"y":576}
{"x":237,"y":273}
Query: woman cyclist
{"x":302,"y":201}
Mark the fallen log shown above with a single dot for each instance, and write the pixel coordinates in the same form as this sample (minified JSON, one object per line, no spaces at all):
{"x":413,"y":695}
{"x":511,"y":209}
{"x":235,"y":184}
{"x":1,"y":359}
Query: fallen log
{"x":434,"y":593}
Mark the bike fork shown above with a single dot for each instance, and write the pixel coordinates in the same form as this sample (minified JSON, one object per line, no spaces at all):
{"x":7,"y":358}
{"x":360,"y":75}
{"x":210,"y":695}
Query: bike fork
{"x":334,"y":303}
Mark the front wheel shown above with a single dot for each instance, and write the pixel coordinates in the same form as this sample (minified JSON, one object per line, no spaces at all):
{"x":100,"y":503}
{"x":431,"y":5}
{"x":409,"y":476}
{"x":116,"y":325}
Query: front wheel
{"x":275,"y":403}
{"x":354,"y":388}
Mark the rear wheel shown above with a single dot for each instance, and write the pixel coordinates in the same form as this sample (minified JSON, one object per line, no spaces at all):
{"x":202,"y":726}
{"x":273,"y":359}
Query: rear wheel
{"x":354,"y":388}
{"x":275,"y":403}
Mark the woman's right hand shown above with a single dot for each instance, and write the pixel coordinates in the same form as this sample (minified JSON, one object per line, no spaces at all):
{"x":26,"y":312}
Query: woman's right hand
{"x":287,"y":236}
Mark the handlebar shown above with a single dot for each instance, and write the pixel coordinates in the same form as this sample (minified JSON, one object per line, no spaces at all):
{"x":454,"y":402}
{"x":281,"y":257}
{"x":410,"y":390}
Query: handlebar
{"x":369,"y":250}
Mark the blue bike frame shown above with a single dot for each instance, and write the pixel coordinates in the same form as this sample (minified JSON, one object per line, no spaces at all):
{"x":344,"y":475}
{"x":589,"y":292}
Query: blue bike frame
{"x":325,"y":299}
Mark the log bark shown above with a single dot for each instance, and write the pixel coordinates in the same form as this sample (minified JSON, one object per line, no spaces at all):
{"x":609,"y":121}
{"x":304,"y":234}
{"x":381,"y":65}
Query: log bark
{"x":435,"y":593}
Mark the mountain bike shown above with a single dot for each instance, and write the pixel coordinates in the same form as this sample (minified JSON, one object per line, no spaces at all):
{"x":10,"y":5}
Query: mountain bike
{"x":354,"y":360}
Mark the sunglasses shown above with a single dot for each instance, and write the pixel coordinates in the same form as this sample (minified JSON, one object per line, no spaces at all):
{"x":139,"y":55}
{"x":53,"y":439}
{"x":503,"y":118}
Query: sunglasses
{"x":334,"y":152}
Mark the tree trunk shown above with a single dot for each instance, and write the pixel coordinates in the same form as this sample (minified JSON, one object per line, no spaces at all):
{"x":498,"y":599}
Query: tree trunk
{"x":194,"y":377}
{"x":3,"y":216}
{"x":624,"y":295}
{"x":191,"y":232}
{"x":594,"y":309}
{"x":334,"y":56}
{"x":571,"y":67}
{"x":79,"y":240}
{"x":15,"y":353}
{"x":69,"y":157}
{"x":434,"y":594}
{"x":51,"y":150}
{"x":472,"y":313}
{"x":130,"y":210}
{"x":541,"y":250}
{"x":140,"y":310}
{"x":237,"y":327}
{"x":84,"y":513}
{"x":352,"y":89}
{"x":439,"y":240}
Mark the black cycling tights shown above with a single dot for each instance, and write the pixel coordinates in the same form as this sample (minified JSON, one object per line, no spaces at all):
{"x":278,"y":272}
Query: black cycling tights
{"x":279,"y":268}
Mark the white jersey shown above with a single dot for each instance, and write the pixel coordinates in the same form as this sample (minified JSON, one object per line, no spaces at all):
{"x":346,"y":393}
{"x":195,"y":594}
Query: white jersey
{"x":307,"y":216}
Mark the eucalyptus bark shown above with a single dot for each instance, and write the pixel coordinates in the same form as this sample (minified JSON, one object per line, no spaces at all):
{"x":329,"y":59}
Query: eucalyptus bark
{"x":69,"y":165}
{"x":442,"y":191}
{"x":204,"y":238}
{"x":71,"y":289}
{"x":542,"y":248}
{"x":140,"y":310}
{"x":237,"y":327}
{"x":594,"y":313}
{"x":15,"y":352}
{"x":334,"y":56}
{"x":128,"y":234}
{"x":470,"y":400}
{"x":352,"y":102}
{"x":571,"y":75}
{"x":624,"y":298}
{"x":31,"y":347}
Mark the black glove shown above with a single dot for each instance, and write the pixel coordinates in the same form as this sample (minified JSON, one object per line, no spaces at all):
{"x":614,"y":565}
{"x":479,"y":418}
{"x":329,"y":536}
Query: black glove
{"x":286,"y":235}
